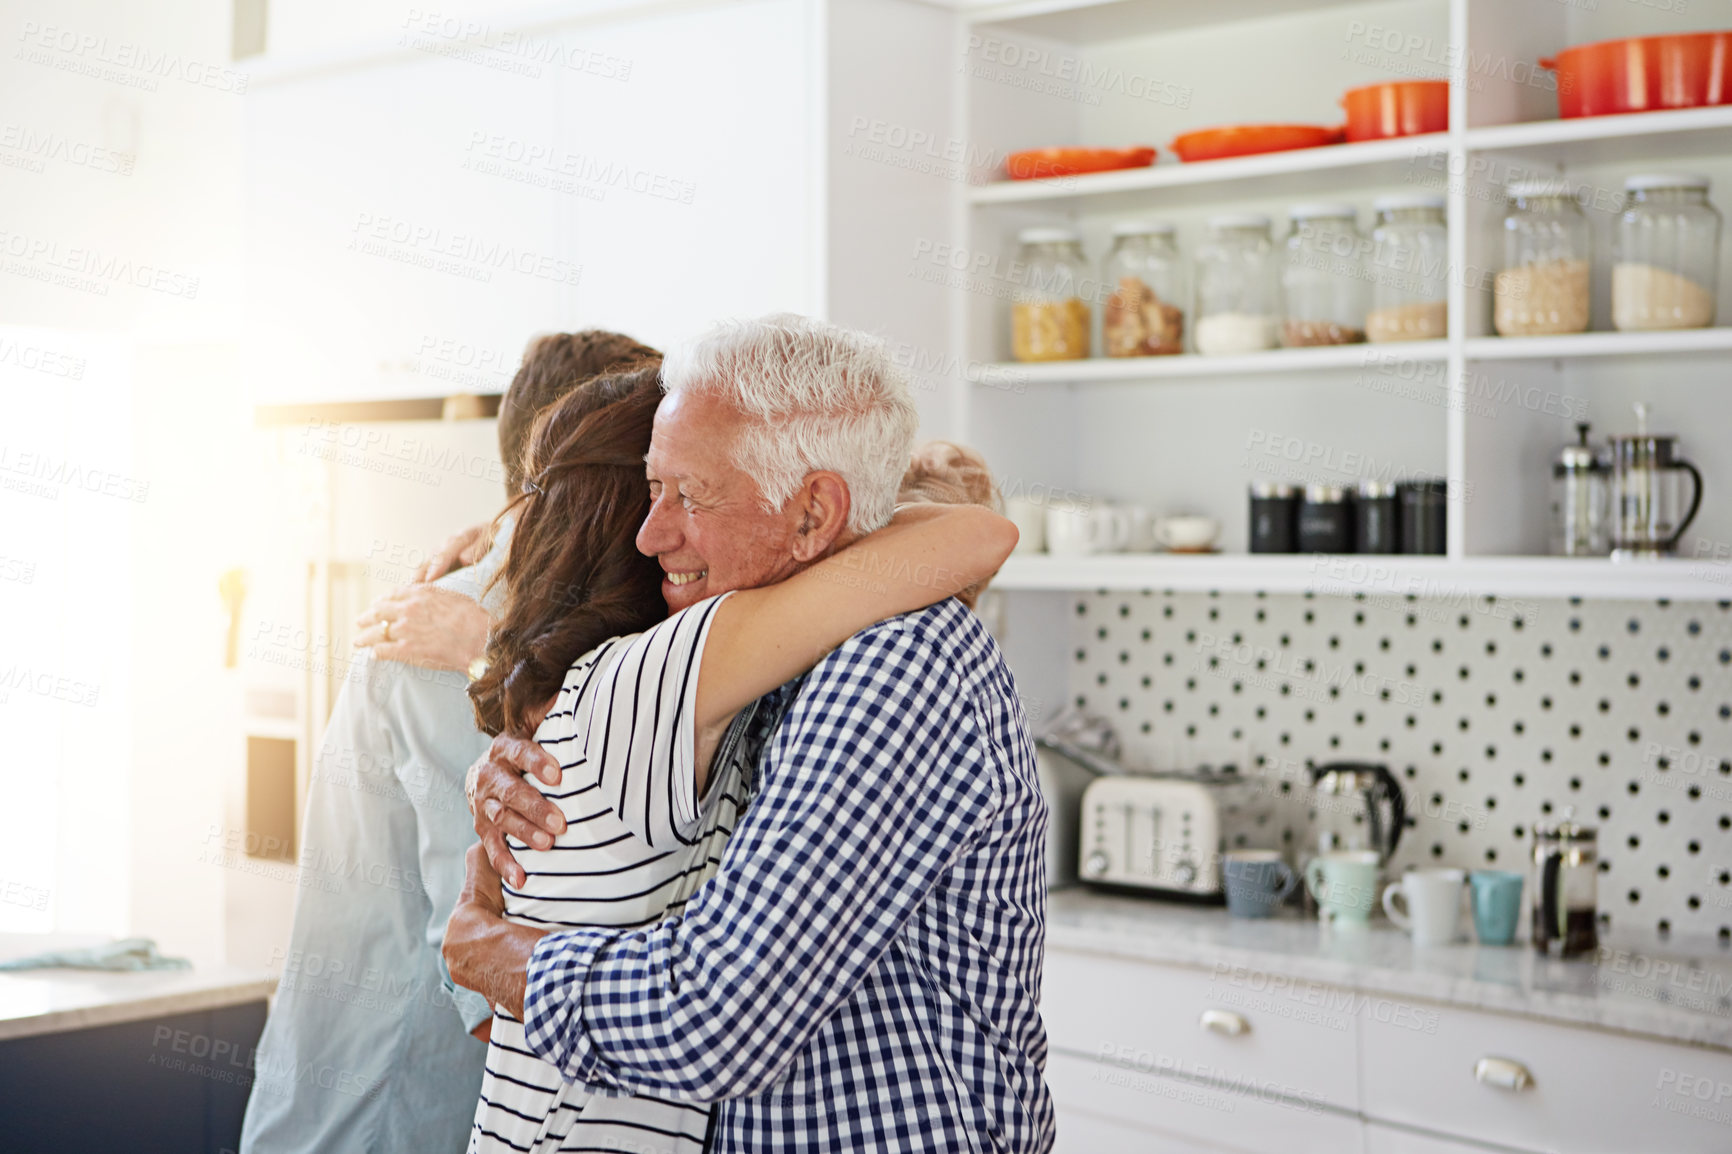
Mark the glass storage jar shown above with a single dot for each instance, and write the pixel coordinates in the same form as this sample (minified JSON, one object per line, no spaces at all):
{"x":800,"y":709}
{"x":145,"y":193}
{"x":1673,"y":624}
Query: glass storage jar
{"x":1409,"y":269}
{"x":1238,"y":290}
{"x":1143,"y":316}
{"x":1667,"y":255}
{"x":1324,"y":278}
{"x":1544,"y":286}
{"x":1049,"y":316}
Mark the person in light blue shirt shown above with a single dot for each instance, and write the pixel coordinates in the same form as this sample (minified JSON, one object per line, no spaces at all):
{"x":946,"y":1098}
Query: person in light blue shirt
{"x":368,"y":1046}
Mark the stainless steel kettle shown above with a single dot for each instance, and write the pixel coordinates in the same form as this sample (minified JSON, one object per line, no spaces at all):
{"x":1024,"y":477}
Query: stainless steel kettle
{"x":1356,"y":805}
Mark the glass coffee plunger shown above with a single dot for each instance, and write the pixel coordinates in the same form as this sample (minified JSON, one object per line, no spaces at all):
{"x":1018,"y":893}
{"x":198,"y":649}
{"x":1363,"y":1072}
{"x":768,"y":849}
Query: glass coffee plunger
{"x":1649,"y":515}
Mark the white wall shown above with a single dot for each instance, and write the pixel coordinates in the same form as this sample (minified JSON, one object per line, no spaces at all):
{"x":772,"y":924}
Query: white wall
{"x":119,"y":172}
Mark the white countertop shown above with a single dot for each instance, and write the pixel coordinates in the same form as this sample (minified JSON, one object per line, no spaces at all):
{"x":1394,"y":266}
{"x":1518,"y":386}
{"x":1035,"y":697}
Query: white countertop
{"x":52,"y":1001}
{"x":1678,"y":991}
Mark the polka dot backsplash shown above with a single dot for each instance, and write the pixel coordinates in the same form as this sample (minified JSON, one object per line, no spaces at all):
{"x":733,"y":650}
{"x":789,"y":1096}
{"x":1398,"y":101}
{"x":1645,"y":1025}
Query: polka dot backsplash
{"x":1492,"y":715}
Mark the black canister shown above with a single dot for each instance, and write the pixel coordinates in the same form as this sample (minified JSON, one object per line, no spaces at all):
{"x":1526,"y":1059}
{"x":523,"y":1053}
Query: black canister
{"x":1274,"y":517}
{"x":1326,"y":520}
{"x":1375,"y":518}
{"x":1424,"y":516}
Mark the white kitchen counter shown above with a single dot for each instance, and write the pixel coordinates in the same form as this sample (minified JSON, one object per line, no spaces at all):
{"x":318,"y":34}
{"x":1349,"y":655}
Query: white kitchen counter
{"x":1678,"y":992}
{"x":52,"y":1001}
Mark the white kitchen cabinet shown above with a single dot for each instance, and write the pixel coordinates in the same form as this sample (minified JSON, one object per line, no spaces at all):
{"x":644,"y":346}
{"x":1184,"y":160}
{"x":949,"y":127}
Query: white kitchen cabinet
{"x":1085,"y":1133}
{"x":1145,"y":1020}
{"x":420,"y":208}
{"x":1323,"y":1067}
{"x":1587,"y":1092}
{"x":1381,"y":1139}
{"x":1158,"y":1112}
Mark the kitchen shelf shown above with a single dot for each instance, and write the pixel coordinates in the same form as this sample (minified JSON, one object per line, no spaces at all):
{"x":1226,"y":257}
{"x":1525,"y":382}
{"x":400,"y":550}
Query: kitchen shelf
{"x":1622,"y":139}
{"x":1375,"y":576}
{"x":1300,"y":171}
{"x":458,"y":407}
{"x":1086,"y":22}
{"x":1678,"y":342}
{"x":1105,"y":370}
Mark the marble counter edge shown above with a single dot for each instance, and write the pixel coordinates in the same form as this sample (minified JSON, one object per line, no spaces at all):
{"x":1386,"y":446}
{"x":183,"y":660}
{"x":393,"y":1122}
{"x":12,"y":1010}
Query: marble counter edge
{"x":222,"y":994}
{"x":1651,"y":1020}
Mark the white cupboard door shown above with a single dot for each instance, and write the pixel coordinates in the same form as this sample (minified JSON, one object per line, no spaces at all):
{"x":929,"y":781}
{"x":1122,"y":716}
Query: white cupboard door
{"x":1275,"y":1038}
{"x":1391,"y":1140}
{"x":689,"y":191}
{"x":1532,"y":1085}
{"x":1220,"y":1115}
{"x":1080,"y":1132}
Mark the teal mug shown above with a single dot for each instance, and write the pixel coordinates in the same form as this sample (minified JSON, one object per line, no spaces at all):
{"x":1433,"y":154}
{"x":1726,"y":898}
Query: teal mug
{"x":1497,"y":905}
{"x":1344,"y":882}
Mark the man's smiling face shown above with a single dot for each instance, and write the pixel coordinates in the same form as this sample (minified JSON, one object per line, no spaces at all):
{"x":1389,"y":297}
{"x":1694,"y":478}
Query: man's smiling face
{"x":707,"y":525}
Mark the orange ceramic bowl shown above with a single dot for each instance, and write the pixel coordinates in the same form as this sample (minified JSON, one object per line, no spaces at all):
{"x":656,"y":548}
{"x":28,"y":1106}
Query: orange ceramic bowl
{"x":1251,"y":139}
{"x":1040,"y":163}
{"x":1398,"y":108}
{"x":1644,"y":74}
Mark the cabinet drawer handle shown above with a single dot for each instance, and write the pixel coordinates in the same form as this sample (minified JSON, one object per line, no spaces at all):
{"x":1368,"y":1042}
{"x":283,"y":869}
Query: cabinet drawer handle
{"x":1504,"y":1073}
{"x":1225,"y":1022}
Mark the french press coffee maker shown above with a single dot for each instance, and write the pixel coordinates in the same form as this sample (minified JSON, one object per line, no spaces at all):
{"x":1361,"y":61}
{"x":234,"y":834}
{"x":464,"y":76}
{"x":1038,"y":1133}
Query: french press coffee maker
{"x":1565,"y":886}
{"x":1648,"y":512}
{"x":1579,"y":500}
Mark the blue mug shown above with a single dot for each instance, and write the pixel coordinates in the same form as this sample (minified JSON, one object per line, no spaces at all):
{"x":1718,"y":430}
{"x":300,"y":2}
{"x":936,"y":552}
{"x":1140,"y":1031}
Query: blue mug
{"x":1257,"y":881}
{"x":1497,"y":905}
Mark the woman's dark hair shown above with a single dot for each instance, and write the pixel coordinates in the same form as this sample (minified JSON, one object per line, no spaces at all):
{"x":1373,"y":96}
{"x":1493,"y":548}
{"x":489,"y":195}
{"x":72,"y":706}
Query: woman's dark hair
{"x":552,"y":364}
{"x":573,"y":576}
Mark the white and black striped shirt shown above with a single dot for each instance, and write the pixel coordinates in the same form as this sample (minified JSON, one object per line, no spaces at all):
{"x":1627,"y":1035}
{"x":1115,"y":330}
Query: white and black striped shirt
{"x":638,"y":843}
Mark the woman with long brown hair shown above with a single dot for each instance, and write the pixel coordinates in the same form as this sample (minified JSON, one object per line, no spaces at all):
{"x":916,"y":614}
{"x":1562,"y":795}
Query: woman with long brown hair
{"x":652,"y":719}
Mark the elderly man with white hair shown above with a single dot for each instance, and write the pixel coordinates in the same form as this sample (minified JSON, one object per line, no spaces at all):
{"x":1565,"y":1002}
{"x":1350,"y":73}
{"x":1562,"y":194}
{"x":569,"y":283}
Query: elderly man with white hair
{"x":863,"y":972}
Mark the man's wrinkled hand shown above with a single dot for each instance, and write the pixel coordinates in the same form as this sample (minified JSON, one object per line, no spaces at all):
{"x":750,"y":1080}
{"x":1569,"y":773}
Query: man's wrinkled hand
{"x":425,"y":625}
{"x":461,"y":549}
{"x":504,"y":803}
{"x":482,"y":950}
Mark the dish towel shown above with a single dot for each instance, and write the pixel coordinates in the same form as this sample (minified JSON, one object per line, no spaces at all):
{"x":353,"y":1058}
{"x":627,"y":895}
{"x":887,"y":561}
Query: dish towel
{"x":125,"y":954}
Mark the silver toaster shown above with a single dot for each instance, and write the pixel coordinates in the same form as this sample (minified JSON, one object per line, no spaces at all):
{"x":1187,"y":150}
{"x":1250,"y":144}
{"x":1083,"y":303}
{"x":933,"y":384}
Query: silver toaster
{"x":1166,"y":832}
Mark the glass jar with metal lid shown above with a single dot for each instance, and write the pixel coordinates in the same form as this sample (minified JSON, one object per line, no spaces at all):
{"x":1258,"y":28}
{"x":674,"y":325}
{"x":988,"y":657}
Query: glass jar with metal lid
{"x":1238,"y":294}
{"x":1666,"y":258}
{"x":1050,"y":317}
{"x":1324,"y":278}
{"x":1544,"y":286}
{"x":1143,"y":315}
{"x":1409,"y":269}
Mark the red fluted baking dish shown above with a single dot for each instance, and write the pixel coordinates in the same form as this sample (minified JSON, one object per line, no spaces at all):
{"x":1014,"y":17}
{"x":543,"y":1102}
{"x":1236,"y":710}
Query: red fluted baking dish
{"x":1250,"y":139}
{"x":1397,"y":108}
{"x":1643,"y":74}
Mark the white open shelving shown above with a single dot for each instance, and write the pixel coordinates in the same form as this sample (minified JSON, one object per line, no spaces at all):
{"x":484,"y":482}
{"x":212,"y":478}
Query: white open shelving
{"x":1011,"y":374}
{"x":1483,"y":411}
{"x":1375,"y":576}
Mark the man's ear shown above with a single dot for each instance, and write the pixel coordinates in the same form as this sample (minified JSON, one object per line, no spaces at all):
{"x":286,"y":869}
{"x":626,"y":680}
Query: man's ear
{"x":823,"y":504}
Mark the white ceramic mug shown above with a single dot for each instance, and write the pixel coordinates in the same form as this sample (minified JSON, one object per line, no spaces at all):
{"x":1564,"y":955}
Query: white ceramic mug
{"x":1079,"y":530}
{"x":1432,"y":901}
{"x":1141,"y":529}
{"x":1029,"y":517}
{"x":1187,"y":534}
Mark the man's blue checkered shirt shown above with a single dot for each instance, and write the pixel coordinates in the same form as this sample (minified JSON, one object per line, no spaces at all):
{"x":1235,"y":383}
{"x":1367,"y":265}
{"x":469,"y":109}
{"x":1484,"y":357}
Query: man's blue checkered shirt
{"x":863,"y":973}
